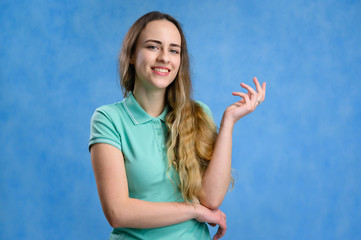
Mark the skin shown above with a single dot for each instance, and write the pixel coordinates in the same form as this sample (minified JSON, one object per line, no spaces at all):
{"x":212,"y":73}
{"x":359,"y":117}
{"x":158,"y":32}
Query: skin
{"x":157,"y":47}
{"x":218,"y":174}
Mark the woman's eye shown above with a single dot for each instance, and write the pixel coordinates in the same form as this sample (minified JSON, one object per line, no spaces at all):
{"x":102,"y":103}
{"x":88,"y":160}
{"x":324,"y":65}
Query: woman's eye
{"x":174,"y":51}
{"x":152,"y":47}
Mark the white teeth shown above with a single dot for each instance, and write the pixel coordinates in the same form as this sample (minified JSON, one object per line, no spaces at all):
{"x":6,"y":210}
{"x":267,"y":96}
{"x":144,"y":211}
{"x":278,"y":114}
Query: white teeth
{"x":161,"y":70}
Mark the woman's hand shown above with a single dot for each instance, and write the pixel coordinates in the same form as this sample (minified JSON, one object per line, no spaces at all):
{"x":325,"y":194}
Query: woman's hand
{"x":248,"y":103}
{"x":213,"y":218}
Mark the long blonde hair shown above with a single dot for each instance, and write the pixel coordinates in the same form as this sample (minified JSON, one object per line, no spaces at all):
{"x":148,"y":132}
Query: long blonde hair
{"x":191,"y":132}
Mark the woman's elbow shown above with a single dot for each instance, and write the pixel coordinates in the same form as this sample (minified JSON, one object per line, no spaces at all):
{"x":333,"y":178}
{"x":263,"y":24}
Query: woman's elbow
{"x":115,"y":219}
{"x":114,"y":223}
{"x":211,"y":203}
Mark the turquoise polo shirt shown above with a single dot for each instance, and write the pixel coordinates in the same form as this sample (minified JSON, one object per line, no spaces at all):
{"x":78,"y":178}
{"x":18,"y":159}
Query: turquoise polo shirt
{"x":142,"y":140}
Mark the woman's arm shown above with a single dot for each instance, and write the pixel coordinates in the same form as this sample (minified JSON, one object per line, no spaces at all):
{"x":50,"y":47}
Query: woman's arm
{"x":218,"y":174}
{"x":122,"y":211}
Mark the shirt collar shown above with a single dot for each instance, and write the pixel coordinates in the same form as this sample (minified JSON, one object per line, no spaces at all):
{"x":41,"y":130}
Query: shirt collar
{"x":137,"y":113}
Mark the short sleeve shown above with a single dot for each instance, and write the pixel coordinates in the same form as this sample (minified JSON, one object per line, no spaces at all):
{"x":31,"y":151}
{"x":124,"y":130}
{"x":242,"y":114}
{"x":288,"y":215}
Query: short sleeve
{"x":102,"y":130}
{"x":206,"y":109}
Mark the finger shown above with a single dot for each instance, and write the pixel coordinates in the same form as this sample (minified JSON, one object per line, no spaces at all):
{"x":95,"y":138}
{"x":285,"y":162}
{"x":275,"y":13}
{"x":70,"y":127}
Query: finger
{"x":264,"y":90}
{"x":219,"y":234}
{"x":251,"y":91}
{"x":223,"y":225}
{"x":222,"y":232}
{"x":258,"y":86}
{"x":245,"y":96}
{"x":249,"y":88}
{"x":260,"y":91}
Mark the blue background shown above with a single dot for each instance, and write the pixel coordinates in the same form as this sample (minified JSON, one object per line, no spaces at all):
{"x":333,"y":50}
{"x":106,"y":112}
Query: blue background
{"x":296,"y":158}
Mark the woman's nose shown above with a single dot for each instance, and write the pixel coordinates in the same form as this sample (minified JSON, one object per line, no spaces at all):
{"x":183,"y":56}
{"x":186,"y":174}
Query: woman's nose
{"x":163,"y":56}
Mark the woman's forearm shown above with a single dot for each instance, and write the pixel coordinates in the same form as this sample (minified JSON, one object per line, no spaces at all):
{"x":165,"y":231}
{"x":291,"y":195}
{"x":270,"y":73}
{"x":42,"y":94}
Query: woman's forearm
{"x":218,"y":174}
{"x":217,"y":177}
{"x":135,"y":213}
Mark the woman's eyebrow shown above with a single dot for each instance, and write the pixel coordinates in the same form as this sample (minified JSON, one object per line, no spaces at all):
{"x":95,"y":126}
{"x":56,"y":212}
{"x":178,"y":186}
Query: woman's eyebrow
{"x":159,"y":42}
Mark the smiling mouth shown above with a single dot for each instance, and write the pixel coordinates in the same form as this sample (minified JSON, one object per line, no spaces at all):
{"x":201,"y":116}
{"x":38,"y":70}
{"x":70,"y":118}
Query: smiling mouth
{"x":161,"y":70}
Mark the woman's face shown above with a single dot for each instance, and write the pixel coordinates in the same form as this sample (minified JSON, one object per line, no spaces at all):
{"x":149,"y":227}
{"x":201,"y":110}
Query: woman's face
{"x":157,"y":55}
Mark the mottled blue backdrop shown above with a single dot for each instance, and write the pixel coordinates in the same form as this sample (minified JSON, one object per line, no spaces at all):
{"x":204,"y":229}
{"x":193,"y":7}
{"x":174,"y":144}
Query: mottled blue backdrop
{"x":297,"y":158}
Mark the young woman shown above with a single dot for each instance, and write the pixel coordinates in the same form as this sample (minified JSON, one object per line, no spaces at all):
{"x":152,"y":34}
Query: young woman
{"x":161,"y":168}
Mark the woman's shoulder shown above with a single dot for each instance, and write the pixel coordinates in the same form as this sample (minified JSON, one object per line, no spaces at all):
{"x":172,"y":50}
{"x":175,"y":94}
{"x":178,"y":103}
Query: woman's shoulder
{"x":109,"y":113}
{"x":109,"y":109}
{"x":204,"y":107}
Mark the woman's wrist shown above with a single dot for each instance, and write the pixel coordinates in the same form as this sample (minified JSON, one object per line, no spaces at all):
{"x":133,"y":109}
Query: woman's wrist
{"x":199,"y":213}
{"x":195,"y":210}
{"x":227,"y":122}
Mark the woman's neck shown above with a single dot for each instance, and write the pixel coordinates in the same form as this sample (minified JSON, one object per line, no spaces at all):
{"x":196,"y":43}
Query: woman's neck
{"x":153,"y":102}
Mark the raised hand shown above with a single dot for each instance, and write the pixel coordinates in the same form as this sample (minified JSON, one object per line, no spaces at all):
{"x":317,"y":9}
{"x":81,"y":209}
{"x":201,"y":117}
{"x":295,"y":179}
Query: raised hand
{"x":248,"y":103}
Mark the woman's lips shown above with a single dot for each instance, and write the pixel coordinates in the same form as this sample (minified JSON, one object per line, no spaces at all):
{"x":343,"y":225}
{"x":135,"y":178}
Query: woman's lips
{"x":161,"y":71}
